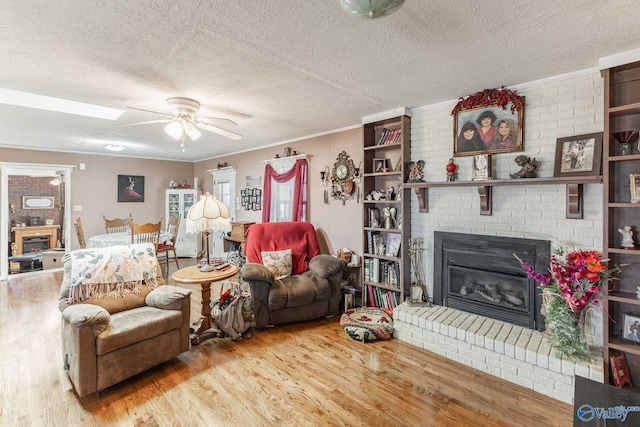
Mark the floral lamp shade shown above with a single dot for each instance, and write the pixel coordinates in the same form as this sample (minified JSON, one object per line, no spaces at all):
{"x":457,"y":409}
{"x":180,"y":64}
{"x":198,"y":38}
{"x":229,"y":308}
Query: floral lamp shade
{"x":208,"y":215}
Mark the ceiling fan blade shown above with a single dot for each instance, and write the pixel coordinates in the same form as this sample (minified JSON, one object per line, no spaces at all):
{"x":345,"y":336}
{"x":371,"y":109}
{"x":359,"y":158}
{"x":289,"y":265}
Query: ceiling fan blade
{"x":221,"y":119}
{"x":232,"y":113}
{"x":150,"y":111}
{"x":218,"y":130}
{"x":142,"y":123}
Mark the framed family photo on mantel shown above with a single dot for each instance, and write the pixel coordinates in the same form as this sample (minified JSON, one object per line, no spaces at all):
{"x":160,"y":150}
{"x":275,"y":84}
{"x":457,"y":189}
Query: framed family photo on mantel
{"x":579,"y":155}
{"x":488,"y":130}
{"x":488,"y":122}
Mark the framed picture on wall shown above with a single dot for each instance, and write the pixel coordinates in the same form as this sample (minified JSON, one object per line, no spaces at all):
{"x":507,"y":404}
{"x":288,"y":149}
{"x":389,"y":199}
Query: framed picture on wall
{"x":488,"y":130}
{"x":130,"y":188}
{"x":578,"y":155}
{"x":37,"y":202}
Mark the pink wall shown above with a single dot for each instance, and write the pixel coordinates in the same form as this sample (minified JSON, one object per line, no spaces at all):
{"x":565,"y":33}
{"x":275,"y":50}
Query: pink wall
{"x":341,"y":224}
{"x":95,"y":188}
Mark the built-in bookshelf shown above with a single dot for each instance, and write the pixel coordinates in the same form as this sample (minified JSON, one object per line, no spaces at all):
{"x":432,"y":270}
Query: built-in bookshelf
{"x":621,"y":208}
{"x":386,"y":212}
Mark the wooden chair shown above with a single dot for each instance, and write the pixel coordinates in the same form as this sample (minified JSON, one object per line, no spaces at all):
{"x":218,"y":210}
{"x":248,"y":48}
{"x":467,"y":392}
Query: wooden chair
{"x":80,"y":233}
{"x":165,"y":249}
{"x":145,"y":233}
{"x":117,"y":225}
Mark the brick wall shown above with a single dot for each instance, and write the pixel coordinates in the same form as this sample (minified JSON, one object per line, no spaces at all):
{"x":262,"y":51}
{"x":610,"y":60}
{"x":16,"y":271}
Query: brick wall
{"x":564,"y":106}
{"x":22,"y":185}
{"x":560,"y":107}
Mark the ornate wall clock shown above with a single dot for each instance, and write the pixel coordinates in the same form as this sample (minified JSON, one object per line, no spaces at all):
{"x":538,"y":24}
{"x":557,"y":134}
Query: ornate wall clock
{"x":342,"y":178}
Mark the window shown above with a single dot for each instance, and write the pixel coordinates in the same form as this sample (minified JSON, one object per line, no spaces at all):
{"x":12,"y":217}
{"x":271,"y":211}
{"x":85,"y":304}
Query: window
{"x":285,"y":190}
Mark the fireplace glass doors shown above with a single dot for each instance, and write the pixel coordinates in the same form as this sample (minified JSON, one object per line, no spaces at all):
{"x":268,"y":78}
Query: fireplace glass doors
{"x":481,"y":275}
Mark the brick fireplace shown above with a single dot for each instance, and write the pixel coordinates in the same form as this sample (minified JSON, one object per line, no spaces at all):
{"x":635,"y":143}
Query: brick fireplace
{"x":473,"y":323}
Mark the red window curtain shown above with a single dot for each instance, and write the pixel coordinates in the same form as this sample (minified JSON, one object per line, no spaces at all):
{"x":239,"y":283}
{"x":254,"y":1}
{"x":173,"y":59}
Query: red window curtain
{"x":299,"y":203}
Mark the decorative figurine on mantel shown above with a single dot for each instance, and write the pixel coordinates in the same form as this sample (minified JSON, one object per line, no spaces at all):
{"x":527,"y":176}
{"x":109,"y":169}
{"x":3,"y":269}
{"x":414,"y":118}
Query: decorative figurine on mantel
{"x":452,"y":171}
{"x":528,"y":167}
{"x":627,"y":237}
{"x":415,"y":171}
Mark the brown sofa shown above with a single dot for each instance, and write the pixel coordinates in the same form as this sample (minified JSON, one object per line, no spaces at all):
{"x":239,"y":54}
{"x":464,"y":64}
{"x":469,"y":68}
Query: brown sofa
{"x":106,"y":340}
{"x":310,"y":292}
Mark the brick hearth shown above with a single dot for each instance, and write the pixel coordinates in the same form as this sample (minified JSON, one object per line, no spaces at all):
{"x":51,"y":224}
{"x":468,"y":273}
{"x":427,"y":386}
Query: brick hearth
{"x":516,"y":354}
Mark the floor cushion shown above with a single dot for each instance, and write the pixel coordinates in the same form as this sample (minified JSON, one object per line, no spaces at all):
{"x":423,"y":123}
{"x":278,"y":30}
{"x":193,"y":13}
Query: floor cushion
{"x":367,"y":324}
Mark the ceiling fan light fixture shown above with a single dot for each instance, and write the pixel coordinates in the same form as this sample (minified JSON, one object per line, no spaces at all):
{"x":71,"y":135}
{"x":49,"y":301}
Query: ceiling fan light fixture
{"x":174,"y":130}
{"x":371,"y":8}
{"x":192,"y":131}
{"x":114,"y":147}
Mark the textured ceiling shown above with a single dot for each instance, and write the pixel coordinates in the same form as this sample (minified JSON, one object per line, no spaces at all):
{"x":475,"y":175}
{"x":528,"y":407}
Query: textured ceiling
{"x":297,"y":67}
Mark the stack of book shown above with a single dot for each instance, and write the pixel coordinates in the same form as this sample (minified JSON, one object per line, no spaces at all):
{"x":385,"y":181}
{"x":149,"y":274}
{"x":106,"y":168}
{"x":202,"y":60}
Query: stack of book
{"x":381,"y":271}
{"x":390,"y":136}
{"x":378,"y":297}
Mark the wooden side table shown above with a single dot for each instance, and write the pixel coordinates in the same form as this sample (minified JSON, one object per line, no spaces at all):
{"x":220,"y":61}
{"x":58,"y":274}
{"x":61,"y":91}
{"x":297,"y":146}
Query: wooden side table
{"x":201,"y":330}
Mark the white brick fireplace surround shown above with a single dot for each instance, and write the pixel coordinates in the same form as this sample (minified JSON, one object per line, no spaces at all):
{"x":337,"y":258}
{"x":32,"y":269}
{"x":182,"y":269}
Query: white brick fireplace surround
{"x":557,"y":107}
{"x":516,"y":354}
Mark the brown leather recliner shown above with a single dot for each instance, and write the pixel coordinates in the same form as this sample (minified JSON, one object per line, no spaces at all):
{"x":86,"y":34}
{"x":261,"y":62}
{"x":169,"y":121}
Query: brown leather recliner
{"x":107,"y":340}
{"x":313,"y":288}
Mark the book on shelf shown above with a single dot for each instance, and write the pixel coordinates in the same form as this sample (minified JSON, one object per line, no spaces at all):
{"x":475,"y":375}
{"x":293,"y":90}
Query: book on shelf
{"x":378,"y":244}
{"x":398,"y":136}
{"x":390,"y":136}
{"x":375,"y":270}
{"x":381,"y":298}
{"x":373,"y":241}
{"x":619,"y":370}
{"x":374,"y":217}
{"x":394,"y":241}
{"x":383,"y":136}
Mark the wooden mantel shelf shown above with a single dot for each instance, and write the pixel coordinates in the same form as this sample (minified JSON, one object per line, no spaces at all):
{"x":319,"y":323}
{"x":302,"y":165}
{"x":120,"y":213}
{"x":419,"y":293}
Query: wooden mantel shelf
{"x":574,"y":185}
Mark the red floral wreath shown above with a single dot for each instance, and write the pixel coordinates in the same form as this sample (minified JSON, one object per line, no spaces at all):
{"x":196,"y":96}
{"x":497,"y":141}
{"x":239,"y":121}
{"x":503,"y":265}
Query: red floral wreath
{"x":489,"y":98}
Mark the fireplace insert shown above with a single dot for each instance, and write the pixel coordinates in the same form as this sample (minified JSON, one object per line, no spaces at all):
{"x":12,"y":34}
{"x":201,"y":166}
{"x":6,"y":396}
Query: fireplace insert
{"x":481,"y":275}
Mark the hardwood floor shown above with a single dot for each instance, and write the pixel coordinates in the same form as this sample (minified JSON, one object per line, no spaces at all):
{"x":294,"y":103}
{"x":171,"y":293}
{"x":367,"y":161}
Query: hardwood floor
{"x":306,"y":374}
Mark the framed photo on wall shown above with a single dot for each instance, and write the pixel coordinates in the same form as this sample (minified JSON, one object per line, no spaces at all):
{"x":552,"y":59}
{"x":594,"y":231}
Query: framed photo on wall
{"x":578,"y":155}
{"x":130,"y":188}
{"x":488,"y":130}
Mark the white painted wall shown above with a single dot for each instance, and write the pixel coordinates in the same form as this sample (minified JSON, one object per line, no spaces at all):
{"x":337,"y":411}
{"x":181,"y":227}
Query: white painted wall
{"x":565,"y":106}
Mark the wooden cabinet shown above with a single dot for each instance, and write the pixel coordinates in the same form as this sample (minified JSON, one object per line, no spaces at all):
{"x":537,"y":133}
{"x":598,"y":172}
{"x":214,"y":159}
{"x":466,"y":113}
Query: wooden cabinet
{"x":621,"y":113}
{"x":386,"y":273}
{"x":178,"y":203}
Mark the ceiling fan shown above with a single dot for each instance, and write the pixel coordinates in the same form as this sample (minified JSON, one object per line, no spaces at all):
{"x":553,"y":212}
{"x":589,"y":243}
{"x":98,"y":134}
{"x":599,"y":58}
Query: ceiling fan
{"x":183,"y":122}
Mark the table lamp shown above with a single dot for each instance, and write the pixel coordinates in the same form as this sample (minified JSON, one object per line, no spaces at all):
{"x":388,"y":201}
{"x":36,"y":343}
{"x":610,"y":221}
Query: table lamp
{"x":208,"y":215}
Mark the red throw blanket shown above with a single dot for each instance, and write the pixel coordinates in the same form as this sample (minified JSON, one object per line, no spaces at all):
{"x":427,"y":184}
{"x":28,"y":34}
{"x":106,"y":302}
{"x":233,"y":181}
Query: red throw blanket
{"x":300,"y":237}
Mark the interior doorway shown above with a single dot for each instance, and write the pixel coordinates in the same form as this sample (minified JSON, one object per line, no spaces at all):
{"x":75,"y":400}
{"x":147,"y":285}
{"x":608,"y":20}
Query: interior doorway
{"x":224,"y":188}
{"x":58,"y":199}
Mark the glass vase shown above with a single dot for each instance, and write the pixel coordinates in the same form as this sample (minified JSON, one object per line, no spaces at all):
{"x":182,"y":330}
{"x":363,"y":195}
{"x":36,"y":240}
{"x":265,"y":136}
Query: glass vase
{"x":568,"y":332}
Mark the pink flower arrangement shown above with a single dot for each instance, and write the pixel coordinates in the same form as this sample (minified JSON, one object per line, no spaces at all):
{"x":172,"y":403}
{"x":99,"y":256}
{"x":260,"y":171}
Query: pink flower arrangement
{"x":577,"y":278}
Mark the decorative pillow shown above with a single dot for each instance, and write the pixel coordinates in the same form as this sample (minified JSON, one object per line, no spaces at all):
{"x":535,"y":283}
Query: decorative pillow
{"x":278,"y":262}
{"x":367,"y":324}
